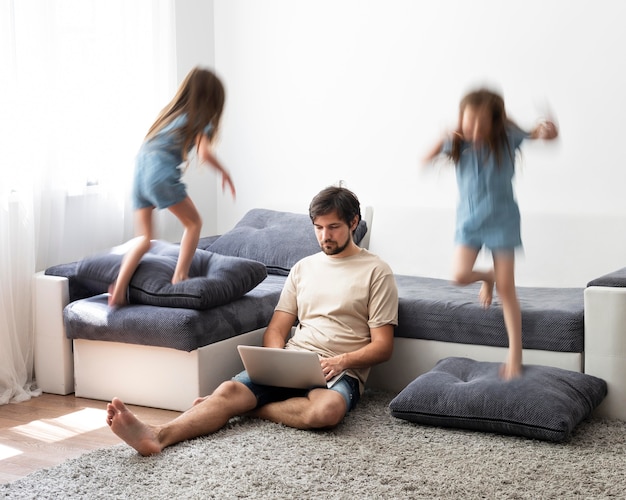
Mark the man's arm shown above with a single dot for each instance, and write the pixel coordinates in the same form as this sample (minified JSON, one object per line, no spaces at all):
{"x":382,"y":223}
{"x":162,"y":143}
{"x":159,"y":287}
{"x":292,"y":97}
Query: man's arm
{"x":278,"y":330}
{"x":378,"y":350}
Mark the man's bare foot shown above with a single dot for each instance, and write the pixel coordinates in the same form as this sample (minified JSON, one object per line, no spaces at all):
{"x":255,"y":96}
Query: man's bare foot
{"x":133,"y":431}
{"x":485,"y":296}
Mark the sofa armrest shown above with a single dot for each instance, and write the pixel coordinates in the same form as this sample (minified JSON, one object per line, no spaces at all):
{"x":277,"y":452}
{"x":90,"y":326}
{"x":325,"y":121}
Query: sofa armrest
{"x":605,"y":345}
{"x":54,"y":362}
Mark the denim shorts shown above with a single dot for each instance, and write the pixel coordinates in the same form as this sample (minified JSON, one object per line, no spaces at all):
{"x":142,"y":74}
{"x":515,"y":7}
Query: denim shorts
{"x":157,"y":183}
{"x":347,"y":386}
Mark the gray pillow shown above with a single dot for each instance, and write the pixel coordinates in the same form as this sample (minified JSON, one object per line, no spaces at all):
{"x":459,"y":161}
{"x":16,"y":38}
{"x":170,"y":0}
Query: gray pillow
{"x":544,"y":403}
{"x":213,"y":279}
{"x":277,"y":239}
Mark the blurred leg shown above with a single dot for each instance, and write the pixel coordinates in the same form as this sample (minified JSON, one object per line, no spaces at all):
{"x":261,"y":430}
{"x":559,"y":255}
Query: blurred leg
{"x":464,"y":273}
{"x":188,"y":215}
{"x":504,"y":265}
{"x":141,"y":244}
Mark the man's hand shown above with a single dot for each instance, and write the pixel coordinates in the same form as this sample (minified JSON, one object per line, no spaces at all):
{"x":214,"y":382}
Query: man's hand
{"x":278,"y":330}
{"x":331,"y":367}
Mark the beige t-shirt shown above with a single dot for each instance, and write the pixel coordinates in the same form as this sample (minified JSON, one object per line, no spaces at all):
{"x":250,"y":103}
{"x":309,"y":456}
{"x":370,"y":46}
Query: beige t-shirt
{"x":337,"y":301}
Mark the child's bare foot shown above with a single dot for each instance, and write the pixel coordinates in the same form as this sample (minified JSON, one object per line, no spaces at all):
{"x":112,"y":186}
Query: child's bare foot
{"x":177,"y":278}
{"x":510,"y":371}
{"x":485,"y":296}
{"x":117,"y":298}
{"x":133,"y":431}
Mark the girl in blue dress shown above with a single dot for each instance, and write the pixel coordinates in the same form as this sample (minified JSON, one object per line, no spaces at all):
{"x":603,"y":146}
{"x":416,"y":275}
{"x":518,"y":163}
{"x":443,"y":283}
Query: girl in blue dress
{"x":483,"y":148}
{"x":190,"y":121}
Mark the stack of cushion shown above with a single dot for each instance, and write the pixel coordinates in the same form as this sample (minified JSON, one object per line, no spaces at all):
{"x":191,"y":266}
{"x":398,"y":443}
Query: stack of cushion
{"x":214,"y":279}
{"x":263,"y":242}
{"x":235,"y":282}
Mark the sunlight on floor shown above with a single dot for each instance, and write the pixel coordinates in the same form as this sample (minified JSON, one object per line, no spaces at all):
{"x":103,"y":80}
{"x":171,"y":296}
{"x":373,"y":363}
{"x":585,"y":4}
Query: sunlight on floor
{"x":8,"y":452}
{"x":56,"y":429}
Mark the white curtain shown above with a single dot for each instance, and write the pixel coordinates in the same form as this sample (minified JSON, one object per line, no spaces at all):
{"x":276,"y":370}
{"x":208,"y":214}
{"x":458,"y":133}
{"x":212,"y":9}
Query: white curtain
{"x":80,"y":83}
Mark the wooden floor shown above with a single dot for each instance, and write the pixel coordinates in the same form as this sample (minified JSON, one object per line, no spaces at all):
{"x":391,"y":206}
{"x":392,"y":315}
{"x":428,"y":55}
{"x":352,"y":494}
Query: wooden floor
{"x":49,"y":429}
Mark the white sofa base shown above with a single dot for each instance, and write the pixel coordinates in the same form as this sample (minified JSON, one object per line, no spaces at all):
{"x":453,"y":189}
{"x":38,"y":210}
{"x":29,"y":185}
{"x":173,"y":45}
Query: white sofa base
{"x":54,"y":361}
{"x":143,"y":375}
{"x":155,"y":376}
{"x":605,"y":345}
{"x":413,"y":357}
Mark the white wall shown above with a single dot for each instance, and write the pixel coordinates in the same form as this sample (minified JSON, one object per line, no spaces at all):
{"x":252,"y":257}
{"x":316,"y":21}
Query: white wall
{"x":324,"y":90}
{"x":357,"y":90}
{"x":194,"y":47}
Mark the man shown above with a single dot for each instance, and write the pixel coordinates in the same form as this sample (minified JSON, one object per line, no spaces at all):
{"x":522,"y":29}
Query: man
{"x":345,"y":302}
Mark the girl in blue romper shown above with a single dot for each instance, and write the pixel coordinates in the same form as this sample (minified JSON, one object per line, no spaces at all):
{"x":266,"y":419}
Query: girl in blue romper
{"x":483,"y":149}
{"x":189,"y":121}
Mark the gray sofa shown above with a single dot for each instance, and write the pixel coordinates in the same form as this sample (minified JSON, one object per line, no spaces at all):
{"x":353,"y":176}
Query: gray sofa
{"x":166,"y":346}
{"x":165,"y":357}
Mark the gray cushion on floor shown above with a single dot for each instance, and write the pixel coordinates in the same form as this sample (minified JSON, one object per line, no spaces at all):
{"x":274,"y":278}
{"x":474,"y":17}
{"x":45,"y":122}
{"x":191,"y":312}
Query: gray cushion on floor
{"x":544,"y":403}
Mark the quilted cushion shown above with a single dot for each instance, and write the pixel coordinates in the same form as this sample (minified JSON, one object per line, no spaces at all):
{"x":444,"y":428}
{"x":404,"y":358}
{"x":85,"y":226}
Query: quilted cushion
{"x":544,"y":403}
{"x":214,"y":279}
{"x":277,"y":239}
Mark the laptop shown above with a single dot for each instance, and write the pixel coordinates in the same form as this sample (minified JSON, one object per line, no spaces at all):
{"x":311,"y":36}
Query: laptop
{"x":284,"y":367}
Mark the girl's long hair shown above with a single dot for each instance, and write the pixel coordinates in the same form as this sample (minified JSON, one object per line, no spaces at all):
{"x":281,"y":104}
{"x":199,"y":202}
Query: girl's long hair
{"x":497,"y":142}
{"x":201,"y":98}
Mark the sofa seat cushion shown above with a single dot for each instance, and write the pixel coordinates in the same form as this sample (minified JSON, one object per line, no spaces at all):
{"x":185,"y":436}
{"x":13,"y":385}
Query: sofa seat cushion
{"x":544,"y":403}
{"x":436,"y":309}
{"x":176,"y":328}
{"x":214,"y":279}
{"x":277,"y":239}
{"x":615,"y":279}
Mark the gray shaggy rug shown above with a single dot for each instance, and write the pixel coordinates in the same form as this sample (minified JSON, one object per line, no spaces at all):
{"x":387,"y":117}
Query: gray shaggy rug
{"x":370,"y":455}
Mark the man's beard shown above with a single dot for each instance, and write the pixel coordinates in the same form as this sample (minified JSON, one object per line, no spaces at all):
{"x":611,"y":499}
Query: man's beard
{"x":334,"y":250}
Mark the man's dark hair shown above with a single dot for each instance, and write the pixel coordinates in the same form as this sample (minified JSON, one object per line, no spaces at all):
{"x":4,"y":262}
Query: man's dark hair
{"x":336,"y":199}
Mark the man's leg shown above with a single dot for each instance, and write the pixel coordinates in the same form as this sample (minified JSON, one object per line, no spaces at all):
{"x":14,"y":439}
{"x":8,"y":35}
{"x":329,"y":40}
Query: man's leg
{"x":321,"y":408}
{"x":207,"y":416}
